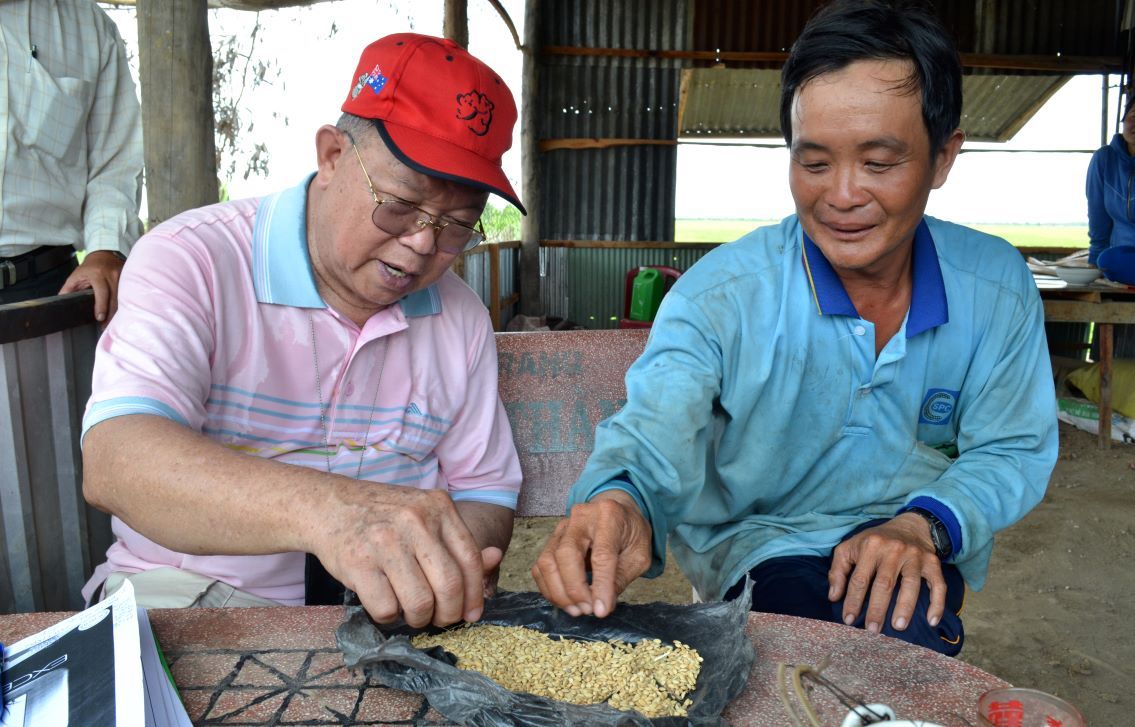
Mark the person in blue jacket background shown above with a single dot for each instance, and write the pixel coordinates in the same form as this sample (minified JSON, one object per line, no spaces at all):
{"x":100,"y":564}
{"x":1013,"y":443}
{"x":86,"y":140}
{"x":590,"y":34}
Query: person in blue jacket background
{"x":846,"y":406}
{"x":1111,"y":190}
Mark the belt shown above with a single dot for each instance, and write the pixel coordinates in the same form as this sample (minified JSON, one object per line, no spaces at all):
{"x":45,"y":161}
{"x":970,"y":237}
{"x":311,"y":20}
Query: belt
{"x":32,"y":263}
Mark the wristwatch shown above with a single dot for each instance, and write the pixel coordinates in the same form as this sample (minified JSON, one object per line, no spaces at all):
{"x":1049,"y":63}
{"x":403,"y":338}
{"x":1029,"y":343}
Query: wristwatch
{"x":938,"y":533}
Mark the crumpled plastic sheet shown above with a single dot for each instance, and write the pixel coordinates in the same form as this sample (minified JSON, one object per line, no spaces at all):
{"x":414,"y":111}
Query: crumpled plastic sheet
{"x":716,"y":630}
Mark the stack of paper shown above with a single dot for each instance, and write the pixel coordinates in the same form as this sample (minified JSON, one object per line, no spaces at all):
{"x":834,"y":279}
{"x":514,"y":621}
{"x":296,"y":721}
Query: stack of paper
{"x":101,"y":667}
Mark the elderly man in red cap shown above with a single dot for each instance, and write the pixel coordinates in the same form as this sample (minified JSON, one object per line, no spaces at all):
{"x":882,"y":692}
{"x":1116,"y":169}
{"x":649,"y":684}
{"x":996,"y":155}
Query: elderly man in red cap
{"x":299,"y":383}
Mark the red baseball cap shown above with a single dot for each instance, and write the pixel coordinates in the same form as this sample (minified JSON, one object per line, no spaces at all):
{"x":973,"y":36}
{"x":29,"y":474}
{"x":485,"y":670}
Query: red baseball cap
{"x":440,"y":111}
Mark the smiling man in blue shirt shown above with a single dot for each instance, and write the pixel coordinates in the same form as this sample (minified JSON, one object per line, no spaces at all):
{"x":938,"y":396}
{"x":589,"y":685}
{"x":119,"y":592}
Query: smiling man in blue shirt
{"x":847,"y":406}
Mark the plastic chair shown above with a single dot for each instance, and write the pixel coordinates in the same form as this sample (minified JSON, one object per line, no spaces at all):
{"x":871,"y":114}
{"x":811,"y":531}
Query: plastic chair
{"x":669,"y":275}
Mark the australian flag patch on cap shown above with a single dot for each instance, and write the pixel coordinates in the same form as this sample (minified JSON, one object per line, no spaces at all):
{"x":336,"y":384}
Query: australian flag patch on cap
{"x":374,"y":79}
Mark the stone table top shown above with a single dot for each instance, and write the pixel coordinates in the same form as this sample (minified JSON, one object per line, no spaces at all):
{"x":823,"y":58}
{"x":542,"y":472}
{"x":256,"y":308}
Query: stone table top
{"x":280,"y":666}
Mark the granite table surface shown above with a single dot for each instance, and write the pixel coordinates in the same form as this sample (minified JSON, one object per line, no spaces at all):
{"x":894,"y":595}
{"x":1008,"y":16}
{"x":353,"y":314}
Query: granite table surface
{"x":280,"y":666}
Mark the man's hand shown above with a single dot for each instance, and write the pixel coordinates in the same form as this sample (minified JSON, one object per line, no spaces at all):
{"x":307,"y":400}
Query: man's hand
{"x":99,"y":271}
{"x":609,"y":537}
{"x":898,"y":552}
{"x":405,"y":552}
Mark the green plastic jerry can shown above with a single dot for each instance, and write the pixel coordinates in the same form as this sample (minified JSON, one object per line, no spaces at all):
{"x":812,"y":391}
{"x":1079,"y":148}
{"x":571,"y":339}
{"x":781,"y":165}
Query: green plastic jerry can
{"x":646,"y":294}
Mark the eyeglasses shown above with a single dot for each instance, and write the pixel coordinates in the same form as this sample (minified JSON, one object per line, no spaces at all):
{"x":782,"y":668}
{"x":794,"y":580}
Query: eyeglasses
{"x":395,"y":216}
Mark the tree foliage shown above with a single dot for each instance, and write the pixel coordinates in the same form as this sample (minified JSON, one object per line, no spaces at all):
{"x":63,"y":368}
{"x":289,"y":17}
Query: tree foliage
{"x":237,"y":70}
{"x":501,"y":223}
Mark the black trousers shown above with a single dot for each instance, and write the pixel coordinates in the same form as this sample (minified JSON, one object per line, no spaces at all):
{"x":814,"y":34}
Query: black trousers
{"x":797,"y":585}
{"x":43,"y":285}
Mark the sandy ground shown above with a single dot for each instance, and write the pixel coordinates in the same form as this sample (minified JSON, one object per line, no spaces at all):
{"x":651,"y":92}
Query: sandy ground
{"x":1058,"y":611}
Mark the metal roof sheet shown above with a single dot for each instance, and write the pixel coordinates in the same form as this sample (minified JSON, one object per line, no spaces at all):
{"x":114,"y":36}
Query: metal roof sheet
{"x":745,"y":103}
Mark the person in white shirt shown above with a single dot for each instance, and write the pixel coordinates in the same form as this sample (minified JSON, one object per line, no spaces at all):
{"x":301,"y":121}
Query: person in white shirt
{"x":71,"y":155}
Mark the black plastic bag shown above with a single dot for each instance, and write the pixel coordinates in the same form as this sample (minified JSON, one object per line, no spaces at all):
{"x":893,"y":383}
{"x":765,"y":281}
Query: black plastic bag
{"x":716,"y":630}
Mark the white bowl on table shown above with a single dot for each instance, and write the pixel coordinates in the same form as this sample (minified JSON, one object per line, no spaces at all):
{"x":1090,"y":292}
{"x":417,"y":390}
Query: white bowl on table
{"x":1076,"y":275}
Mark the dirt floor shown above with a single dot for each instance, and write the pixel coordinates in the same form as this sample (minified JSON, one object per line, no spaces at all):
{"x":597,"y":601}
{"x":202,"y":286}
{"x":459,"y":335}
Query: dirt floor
{"x":1058,"y":611}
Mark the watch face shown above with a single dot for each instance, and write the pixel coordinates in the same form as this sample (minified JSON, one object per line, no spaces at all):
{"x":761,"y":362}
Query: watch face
{"x":940,"y":537}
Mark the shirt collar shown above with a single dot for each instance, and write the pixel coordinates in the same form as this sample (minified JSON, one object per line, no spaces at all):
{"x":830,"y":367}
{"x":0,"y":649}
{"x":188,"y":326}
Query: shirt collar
{"x":281,"y":267}
{"x":928,"y":306}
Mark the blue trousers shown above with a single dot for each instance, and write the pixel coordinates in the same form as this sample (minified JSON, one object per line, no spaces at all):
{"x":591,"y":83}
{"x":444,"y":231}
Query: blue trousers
{"x":798,"y":586}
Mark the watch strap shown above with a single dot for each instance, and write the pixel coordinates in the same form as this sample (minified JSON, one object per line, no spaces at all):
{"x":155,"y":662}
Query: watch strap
{"x":939,"y":534}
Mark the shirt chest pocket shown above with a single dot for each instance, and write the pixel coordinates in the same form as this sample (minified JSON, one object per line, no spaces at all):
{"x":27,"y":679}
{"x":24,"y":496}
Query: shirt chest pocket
{"x":52,"y":116}
{"x":416,"y":436}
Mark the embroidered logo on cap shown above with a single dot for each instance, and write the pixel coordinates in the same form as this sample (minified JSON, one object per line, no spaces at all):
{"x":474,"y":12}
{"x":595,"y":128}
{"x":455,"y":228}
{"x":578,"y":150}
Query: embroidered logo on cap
{"x":477,"y":110}
{"x":374,"y":79}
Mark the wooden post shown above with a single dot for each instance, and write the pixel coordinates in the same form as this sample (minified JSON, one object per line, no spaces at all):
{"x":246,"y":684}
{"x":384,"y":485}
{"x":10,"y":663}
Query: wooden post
{"x":530,"y":302}
{"x":176,"y":73}
{"x":456,"y":24}
{"x":495,"y":286}
{"x":1107,"y":337}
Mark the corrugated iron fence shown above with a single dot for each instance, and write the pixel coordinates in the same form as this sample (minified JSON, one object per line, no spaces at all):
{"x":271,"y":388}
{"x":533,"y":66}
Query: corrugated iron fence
{"x":608,"y":125}
{"x":51,"y":537}
{"x":585,"y":281}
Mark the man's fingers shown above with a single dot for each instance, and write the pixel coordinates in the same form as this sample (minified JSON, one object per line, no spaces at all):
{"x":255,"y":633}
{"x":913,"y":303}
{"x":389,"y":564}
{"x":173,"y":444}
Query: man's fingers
{"x":447,"y":593}
{"x":71,"y":285}
{"x":842,"y":565}
{"x":491,"y":557}
{"x":102,"y":298}
{"x":909,"y":588}
{"x":413,"y":590}
{"x":615,"y":563}
{"x":858,"y":585}
{"x":932,"y":572}
{"x":608,"y":535}
{"x":546,"y":573}
{"x":850,"y":576}
{"x":463,"y":586}
{"x":606,"y":552}
{"x":881,"y":588}
{"x":570,"y":554}
{"x":377,"y":597}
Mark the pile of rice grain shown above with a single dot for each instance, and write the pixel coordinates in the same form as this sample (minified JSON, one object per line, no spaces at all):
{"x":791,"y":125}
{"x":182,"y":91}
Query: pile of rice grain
{"x":646,"y":676}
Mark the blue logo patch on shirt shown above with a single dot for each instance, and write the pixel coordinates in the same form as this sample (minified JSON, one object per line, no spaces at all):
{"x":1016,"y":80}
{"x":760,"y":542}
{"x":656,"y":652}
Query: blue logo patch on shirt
{"x":938,"y":406}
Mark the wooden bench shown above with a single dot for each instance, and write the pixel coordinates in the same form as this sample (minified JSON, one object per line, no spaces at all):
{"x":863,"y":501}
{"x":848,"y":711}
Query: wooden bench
{"x":556,"y":387}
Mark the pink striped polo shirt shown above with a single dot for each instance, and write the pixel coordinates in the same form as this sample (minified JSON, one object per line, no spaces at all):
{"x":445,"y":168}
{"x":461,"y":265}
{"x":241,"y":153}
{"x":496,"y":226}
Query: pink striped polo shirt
{"x":213,"y":332}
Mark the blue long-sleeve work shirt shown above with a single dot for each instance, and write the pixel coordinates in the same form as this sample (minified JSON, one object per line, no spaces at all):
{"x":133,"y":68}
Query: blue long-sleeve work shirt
{"x":759,"y":421}
{"x":1110,"y":187}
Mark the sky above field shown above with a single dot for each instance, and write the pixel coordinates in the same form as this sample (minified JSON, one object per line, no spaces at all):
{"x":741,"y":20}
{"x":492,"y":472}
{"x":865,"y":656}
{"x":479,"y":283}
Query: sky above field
{"x":314,"y":51}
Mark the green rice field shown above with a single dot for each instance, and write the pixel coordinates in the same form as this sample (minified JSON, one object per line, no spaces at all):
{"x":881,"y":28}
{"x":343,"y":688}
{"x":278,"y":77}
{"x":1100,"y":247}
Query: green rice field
{"x":1020,"y":235}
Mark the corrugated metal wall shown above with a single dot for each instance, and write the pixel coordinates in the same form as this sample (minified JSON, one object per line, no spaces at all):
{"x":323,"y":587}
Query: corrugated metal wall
{"x":475,"y":273}
{"x":741,"y":99}
{"x":51,"y":538}
{"x":595,"y":277}
{"x":624,"y":192}
{"x":554,"y":277}
{"x":1035,"y":27}
{"x":749,"y":25}
{"x":1027,"y":27}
